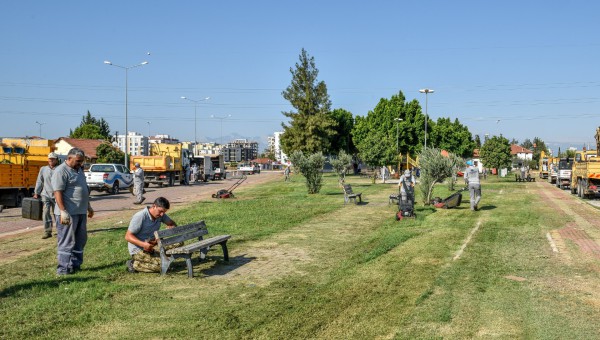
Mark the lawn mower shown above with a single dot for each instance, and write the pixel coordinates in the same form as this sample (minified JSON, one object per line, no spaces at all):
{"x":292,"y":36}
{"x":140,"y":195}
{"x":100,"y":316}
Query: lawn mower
{"x":449,"y":202}
{"x":406,"y":208}
{"x":228,"y":193}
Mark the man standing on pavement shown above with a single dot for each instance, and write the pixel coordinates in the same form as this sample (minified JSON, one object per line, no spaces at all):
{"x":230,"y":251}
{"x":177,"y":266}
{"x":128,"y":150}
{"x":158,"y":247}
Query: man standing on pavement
{"x":73,"y":206}
{"x":138,"y":184}
{"x":472,"y":179}
{"x":140,"y":236}
{"x":43,"y":188}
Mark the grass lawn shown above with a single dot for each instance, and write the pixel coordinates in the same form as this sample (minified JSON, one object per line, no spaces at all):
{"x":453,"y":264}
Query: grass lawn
{"x":307,"y":266}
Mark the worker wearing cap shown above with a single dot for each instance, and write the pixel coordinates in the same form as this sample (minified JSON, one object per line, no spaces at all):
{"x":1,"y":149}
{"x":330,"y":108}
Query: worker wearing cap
{"x":472,"y":179}
{"x":138,"y":184}
{"x":407,"y":180}
{"x":43,"y":189}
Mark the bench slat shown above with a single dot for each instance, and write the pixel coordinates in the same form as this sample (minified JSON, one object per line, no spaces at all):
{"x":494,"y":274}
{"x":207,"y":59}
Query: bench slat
{"x":184,"y":237}
{"x":180,"y":229}
{"x":190,"y":248}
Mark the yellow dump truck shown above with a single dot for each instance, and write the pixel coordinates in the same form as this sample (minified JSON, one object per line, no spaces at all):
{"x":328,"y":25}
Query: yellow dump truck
{"x":165,"y":165}
{"x":585,"y":174}
{"x":544,"y":165}
{"x":20,"y":163}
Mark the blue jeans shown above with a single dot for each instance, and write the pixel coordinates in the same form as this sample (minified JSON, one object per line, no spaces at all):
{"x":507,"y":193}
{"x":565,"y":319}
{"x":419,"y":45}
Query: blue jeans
{"x":71,"y":241}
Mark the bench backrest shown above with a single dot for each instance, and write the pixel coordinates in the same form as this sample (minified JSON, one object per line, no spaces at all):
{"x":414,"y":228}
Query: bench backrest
{"x":182,"y":233}
{"x":348,"y":189}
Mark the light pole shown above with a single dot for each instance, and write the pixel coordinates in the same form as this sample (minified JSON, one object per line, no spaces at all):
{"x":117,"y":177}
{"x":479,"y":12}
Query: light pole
{"x":221,"y":118}
{"x":426,"y":91}
{"x":148,"y":128}
{"x":126,"y":68}
{"x":195,"y":104}
{"x":398,"y":120}
{"x":40,"y":124}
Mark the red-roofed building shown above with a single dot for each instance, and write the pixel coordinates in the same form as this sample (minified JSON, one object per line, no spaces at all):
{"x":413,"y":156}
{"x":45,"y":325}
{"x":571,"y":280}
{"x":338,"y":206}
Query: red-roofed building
{"x":64,"y":144}
{"x":520,"y":152}
{"x":264,"y":163}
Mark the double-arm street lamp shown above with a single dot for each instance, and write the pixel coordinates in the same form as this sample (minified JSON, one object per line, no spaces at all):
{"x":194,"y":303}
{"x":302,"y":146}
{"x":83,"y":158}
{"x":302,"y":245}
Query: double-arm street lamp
{"x":426,"y":91}
{"x":126,"y":68}
{"x":40,"y":124}
{"x":195,"y":104}
{"x":221,"y":118}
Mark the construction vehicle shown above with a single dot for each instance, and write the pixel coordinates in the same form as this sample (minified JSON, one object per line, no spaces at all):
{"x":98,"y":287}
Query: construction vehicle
{"x":544,"y":165}
{"x":20,"y":163}
{"x":563,"y":178}
{"x":210,"y":167}
{"x":552,"y":169}
{"x":165,"y":165}
{"x":585,"y":174}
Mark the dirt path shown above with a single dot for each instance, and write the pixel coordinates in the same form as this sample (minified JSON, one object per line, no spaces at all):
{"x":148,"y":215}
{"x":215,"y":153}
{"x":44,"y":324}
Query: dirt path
{"x":583,"y":231}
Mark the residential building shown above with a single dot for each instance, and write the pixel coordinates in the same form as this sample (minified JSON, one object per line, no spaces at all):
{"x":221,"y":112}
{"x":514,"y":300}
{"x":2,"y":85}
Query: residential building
{"x":208,"y":149}
{"x":280,"y":156}
{"x":64,"y":144}
{"x":166,"y":139}
{"x":240,"y":150}
{"x":517,"y":151}
{"x":138,"y":144}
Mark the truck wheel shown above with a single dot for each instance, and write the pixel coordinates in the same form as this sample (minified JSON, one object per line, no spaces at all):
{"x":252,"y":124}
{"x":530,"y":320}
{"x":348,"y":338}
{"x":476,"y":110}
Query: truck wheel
{"x":573,"y":189}
{"x":146,"y":185}
{"x":171,"y":180}
{"x":115,"y":188}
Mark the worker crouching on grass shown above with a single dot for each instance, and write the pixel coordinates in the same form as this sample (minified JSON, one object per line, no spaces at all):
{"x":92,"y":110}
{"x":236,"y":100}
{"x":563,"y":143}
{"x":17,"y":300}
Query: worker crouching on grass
{"x":140,"y":236}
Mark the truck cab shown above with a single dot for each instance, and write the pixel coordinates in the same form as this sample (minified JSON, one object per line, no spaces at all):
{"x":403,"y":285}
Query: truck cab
{"x":563,"y":179}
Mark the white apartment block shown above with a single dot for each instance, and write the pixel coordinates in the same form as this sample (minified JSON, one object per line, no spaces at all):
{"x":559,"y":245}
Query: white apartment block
{"x":280,"y":156}
{"x":138,"y":144}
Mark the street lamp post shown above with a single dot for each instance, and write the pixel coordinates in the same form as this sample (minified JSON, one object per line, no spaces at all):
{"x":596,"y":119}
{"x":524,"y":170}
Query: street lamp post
{"x":126,"y":68}
{"x":148,"y":128}
{"x":398,"y":120}
{"x":426,"y":91}
{"x":40,"y":124}
{"x":221,"y":118}
{"x":195,"y":104}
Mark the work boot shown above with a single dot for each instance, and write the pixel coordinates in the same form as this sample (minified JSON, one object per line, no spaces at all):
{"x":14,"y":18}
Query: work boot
{"x":130,"y":266}
{"x":47,"y":235}
{"x":143,"y":199}
{"x":136,"y":202}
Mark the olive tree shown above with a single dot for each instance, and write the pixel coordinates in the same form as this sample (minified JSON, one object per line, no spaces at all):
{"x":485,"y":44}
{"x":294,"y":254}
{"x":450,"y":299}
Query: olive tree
{"x":311,"y":168}
{"x":435,"y":168}
{"x":340,"y":165}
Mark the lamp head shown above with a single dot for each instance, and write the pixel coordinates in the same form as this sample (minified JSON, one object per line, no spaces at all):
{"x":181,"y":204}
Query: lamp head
{"x":144,"y":63}
{"x":183,"y":97}
{"x":107,"y":62}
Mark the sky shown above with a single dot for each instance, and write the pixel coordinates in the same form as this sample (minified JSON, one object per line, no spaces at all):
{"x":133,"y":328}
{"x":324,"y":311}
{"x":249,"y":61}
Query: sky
{"x":522,"y":69}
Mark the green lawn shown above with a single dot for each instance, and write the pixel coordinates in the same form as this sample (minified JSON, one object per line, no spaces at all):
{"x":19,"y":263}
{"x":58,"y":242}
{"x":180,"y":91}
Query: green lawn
{"x":308,"y":266}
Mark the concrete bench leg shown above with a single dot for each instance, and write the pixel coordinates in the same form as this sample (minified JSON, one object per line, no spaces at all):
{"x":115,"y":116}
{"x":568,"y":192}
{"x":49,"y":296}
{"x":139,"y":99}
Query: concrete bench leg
{"x":188,"y":262}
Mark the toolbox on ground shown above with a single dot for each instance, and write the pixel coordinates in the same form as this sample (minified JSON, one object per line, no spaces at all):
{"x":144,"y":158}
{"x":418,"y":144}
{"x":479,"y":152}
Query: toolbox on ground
{"x":32,"y":208}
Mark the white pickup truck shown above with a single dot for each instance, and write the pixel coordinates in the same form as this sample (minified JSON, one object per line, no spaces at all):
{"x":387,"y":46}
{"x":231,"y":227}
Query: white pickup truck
{"x":108,"y":177}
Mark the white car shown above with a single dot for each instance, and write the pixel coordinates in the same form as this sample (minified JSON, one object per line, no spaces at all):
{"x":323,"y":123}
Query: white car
{"x":109,"y":177}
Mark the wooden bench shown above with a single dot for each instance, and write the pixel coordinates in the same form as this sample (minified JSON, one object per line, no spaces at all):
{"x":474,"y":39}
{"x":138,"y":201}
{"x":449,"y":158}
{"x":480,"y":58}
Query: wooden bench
{"x":183,"y":233}
{"x":518,"y":178}
{"x":349,"y":195}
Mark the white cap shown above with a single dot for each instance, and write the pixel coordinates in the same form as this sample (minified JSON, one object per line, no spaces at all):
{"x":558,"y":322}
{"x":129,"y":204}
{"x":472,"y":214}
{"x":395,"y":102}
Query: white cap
{"x":52,"y":155}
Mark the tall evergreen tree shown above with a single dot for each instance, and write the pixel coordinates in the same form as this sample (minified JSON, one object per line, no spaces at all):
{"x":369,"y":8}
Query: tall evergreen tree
{"x":91,"y":128}
{"x":310,"y":128}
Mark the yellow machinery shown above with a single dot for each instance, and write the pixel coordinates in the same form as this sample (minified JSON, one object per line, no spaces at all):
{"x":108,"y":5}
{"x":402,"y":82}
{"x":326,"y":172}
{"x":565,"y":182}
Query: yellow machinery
{"x":585,"y":175}
{"x":165,"y":165}
{"x":20,"y":163}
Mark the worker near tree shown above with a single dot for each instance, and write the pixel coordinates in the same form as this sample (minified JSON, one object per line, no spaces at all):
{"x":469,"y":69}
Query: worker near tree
{"x":138,"y":184}
{"x":472,"y":179}
{"x":73,"y":206}
{"x":43,"y":189}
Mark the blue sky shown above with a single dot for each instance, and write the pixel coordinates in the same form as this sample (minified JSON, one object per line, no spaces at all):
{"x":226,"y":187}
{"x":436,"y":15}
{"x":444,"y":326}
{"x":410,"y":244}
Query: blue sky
{"x":517,"y":68}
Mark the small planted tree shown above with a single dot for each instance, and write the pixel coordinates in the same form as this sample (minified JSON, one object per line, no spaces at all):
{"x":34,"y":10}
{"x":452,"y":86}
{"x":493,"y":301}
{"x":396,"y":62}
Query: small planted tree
{"x":340,"y":165}
{"x":311,"y":168}
{"x":435,"y":168}
{"x":457,"y":164}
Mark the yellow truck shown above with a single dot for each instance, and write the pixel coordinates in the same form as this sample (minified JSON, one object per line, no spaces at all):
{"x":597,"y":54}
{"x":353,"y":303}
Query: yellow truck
{"x":165,"y":165}
{"x":585,"y":174}
{"x":20,"y":163}
{"x":544,"y":165}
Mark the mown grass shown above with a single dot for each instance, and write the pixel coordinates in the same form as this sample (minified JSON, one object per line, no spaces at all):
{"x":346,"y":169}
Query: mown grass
{"x":310,"y":267}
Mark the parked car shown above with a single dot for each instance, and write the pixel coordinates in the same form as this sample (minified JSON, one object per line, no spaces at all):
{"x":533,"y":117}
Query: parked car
{"x":109,"y":177}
